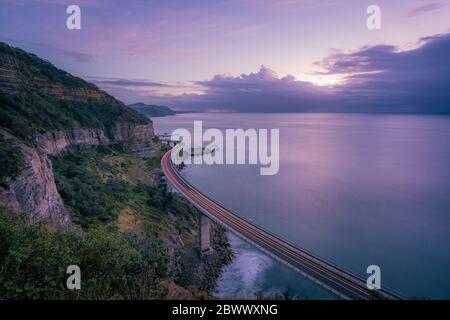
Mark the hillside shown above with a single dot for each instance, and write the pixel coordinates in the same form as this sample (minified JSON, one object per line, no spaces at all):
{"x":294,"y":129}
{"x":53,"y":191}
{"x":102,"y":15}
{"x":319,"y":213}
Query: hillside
{"x":73,"y":190}
{"x":152,"y":110}
{"x":43,"y":111}
{"x":36,"y":97}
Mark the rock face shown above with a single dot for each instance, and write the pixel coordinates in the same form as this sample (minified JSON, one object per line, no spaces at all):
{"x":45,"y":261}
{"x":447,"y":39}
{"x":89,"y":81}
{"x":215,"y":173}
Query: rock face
{"x":56,"y":110}
{"x":136,"y":137}
{"x":34,"y":190}
{"x":54,"y":142}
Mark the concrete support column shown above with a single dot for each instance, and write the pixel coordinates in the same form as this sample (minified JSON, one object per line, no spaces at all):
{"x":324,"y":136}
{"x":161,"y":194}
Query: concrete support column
{"x":205,"y":234}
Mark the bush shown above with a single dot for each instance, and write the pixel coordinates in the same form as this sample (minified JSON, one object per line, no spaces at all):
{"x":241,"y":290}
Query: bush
{"x":33,"y":264}
{"x":11,"y":160}
{"x":154,"y":161}
{"x":90,"y":199}
{"x":156,"y":196}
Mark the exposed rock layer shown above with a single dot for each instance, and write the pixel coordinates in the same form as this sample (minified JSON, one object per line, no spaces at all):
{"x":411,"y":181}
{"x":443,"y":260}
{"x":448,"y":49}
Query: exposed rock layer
{"x":34,"y":190}
{"x":62,"y":111}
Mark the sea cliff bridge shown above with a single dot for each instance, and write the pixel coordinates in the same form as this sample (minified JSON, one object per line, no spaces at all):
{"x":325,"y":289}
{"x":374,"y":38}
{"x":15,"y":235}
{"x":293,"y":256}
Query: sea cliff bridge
{"x":341,"y":283}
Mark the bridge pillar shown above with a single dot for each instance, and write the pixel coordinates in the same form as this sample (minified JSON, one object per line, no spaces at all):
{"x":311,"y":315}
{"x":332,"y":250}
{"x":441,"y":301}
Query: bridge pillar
{"x":205,"y":235}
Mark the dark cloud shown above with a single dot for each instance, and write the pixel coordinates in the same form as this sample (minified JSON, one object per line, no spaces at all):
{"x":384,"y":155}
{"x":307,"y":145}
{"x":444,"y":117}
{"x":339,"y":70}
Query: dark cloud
{"x":258,"y":92}
{"x":381,"y":78}
{"x":376,"y":79}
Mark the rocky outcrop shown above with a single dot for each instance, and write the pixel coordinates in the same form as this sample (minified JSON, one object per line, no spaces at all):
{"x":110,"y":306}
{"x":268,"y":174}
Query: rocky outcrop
{"x":34,"y":190}
{"x":54,"y":142}
{"x":190,"y":270}
{"x":186,"y":267}
{"x":45,"y":110}
{"x":135,"y":137}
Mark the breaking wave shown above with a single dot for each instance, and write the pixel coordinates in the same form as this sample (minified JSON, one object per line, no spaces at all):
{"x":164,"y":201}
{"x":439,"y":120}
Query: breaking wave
{"x":244,"y":276}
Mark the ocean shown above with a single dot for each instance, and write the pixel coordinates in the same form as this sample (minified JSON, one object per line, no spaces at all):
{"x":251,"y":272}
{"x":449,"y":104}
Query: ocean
{"x":354,"y":189}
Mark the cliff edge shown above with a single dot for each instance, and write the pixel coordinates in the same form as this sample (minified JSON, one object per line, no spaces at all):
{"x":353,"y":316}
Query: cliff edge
{"x":43,"y":111}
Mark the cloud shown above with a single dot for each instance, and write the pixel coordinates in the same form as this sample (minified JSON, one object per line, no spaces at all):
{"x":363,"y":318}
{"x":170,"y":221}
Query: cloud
{"x":125,"y":82}
{"x":431,"y":7}
{"x":144,"y":90}
{"x":379,"y":78}
{"x":386,"y":79}
{"x":254,"y":92}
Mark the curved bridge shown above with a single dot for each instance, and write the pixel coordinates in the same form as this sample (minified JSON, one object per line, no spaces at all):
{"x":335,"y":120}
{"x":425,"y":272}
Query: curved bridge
{"x":341,"y":283}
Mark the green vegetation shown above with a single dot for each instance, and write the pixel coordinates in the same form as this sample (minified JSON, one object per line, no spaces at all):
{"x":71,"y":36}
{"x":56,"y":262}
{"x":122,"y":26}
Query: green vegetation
{"x":31,"y":114}
{"x":93,"y":189}
{"x":129,"y":235}
{"x":89,"y":198}
{"x":154,"y":161}
{"x":44,"y":98}
{"x":124,"y":218}
{"x":34,"y":261}
{"x":152,"y":110}
{"x":11,"y":160}
{"x":38,"y":65}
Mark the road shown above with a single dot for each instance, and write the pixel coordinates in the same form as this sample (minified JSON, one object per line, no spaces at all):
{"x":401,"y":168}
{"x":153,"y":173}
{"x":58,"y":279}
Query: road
{"x":341,"y":283}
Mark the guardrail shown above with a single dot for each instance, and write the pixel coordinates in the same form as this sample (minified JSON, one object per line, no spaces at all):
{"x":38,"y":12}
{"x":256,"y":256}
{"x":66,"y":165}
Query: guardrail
{"x":349,"y":275}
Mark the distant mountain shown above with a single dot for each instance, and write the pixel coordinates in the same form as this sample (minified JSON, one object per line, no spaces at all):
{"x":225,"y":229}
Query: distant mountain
{"x":74,"y":190}
{"x":36,"y":97}
{"x":43,"y":111}
{"x":152,"y":110}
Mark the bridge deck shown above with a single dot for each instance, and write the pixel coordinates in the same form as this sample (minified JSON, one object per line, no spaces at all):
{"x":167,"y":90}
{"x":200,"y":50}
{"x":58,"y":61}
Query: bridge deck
{"x":340,"y":282}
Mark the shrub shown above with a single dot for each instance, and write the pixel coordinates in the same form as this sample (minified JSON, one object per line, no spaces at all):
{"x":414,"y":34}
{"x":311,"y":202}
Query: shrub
{"x":33,"y":264}
{"x":11,"y":160}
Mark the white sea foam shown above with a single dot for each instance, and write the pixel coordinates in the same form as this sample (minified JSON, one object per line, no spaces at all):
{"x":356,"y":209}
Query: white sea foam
{"x":243,"y":277}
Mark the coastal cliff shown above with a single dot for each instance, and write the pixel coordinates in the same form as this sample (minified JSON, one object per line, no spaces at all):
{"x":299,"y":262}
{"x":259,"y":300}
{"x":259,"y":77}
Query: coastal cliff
{"x":74,"y":189}
{"x":136,"y":137}
{"x":34,"y":190}
{"x":44,"y":111}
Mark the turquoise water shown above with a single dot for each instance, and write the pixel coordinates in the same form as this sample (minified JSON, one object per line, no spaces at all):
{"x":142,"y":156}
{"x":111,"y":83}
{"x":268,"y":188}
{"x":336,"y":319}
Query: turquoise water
{"x":355,"y":189}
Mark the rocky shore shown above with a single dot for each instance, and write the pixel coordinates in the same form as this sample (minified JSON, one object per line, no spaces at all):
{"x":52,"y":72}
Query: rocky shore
{"x":204,"y":272}
{"x":81,"y":184}
{"x":199,"y":274}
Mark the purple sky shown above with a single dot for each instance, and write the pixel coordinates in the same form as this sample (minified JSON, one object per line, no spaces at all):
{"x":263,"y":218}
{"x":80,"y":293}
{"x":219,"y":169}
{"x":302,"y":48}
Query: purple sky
{"x":247,"y":55}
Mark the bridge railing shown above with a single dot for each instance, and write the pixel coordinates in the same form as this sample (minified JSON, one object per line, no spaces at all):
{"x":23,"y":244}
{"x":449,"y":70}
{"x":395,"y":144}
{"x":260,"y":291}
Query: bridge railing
{"x":344,"y":271}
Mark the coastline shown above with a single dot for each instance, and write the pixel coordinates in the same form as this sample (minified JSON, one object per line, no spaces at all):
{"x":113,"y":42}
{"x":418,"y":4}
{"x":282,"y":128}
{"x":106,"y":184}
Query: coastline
{"x":327,"y":205}
{"x":200,"y":274}
{"x":342,"y":283}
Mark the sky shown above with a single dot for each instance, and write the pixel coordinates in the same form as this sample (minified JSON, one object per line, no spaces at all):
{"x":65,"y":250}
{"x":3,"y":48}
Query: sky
{"x":247,"y":55}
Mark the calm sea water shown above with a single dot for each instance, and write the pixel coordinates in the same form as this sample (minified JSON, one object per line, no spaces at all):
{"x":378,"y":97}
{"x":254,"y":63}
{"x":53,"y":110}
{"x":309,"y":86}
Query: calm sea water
{"x":355,"y":189}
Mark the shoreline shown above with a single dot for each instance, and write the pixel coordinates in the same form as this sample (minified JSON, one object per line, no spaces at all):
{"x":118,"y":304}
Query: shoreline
{"x":340,"y":282}
{"x":201,"y":274}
